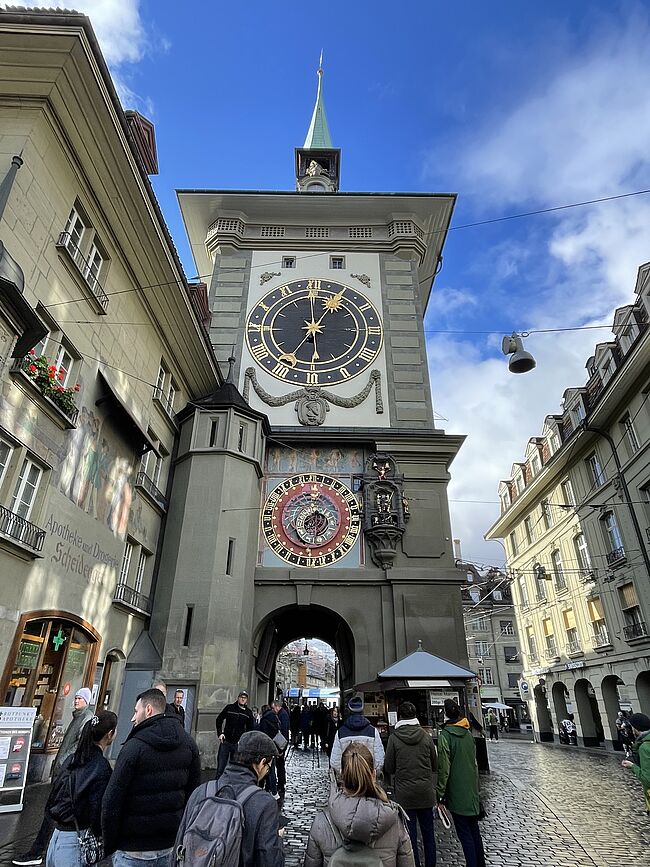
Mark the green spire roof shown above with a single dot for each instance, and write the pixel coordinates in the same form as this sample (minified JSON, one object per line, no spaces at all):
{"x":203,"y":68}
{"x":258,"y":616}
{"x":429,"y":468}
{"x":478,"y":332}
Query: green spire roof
{"x":318,"y":134}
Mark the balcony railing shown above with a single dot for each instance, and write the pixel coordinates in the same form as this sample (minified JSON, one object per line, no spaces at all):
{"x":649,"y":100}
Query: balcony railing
{"x":21,"y":529}
{"x":601,"y":638}
{"x":132,"y":598}
{"x":551,"y":650}
{"x":560,"y":583}
{"x":635,"y":630}
{"x":65,"y":242}
{"x":142,"y":480}
{"x":533,"y":659}
{"x":573,"y":646}
{"x":588,"y":575}
{"x":541,"y":596}
{"x":616,"y":556}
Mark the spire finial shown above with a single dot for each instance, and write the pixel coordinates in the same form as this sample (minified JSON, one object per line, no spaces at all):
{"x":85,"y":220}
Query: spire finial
{"x":320,"y":64}
{"x":318,"y":134}
{"x":420,"y":644}
{"x":231,"y":367}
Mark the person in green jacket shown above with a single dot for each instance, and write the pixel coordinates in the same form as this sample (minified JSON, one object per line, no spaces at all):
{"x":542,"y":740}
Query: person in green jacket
{"x":411,"y":757}
{"x":640,"y":766}
{"x":458,"y":782}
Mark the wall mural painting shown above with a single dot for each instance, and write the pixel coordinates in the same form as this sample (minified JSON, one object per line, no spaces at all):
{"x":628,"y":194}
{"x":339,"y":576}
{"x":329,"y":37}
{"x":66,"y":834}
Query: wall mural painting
{"x":327,"y":460}
{"x":95,"y":476}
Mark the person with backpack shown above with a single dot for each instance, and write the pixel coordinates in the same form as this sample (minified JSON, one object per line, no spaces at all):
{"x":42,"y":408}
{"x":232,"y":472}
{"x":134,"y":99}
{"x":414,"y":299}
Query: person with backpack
{"x":357,"y":729}
{"x":640,"y":762}
{"x":156,"y":771}
{"x":75,"y":800}
{"x":411,"y":757}
{"x":232,"y":822}
{"x":359,"y":827}
{"x":457,"y":785}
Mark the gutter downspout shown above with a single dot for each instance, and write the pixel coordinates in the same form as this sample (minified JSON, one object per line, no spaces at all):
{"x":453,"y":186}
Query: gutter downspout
{"x":626,"y":492}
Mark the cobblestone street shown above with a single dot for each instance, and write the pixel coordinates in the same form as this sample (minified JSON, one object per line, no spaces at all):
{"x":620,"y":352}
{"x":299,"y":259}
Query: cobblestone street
{"x":551,"y":806}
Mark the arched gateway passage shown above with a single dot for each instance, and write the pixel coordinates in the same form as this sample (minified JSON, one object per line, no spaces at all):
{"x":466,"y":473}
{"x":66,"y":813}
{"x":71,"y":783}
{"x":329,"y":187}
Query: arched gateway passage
{"x":292,"y":622}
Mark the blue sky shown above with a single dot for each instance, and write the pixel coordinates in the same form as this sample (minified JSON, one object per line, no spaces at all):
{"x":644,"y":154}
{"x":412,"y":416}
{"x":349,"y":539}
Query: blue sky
{"x":515,"y":106}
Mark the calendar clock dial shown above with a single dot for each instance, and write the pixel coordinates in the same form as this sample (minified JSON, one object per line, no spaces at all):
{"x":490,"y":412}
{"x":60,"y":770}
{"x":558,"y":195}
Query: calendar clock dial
{"x":311,"y":520}
{"x":314,"y":332}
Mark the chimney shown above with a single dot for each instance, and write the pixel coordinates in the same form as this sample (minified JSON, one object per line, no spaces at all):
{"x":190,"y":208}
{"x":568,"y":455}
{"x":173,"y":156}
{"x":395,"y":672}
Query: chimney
{"x":199,"y":298}
{"x":143,"y":140}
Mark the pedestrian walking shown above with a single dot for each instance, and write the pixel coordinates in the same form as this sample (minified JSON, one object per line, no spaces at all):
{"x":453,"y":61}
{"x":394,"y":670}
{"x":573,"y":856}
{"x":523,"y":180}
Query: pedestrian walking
{"x":156,"y":771}
{"x":493,"y":724}
{"x":294,"y":721}
{"x":320,"y":724}
{"x":283,"y":716}
{"x":80,"y":716}
{"x":640,"y":762}
{"x":270,"y":725}
{"x":357,"y":729}
{"x":412,"y":758}
{"x":306,"y":726}
{"x":457,"y":785}
{"x":624,"y":729}
{"x":333,"y":723}
{"x":359,"y":820}
{"x":232,"y":722}
{"x":75,"y":800}
{"x":176,"y":709}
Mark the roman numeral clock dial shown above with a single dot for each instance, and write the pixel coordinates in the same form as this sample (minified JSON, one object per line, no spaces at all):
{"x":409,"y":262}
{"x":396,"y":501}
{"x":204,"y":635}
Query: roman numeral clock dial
{"x":314,"y":332}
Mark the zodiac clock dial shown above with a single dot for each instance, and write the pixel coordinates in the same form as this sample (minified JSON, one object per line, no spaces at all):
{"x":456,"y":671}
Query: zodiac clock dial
{"x":314,"y":332}
{"x":311,"y":520}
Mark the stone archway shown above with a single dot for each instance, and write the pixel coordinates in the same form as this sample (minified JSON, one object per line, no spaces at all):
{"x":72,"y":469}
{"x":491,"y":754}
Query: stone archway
{"x":611,"y":700}
{"x":643,"y":692}
{"x":560,"y":694}
{"x":589,"y":715}
{"x":291,"y":622}
{"x":544,"y":721}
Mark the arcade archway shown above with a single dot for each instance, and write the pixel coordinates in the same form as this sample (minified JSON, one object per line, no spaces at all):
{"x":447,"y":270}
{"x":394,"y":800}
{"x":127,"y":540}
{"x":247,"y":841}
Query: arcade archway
{"x":643,"y":691}
{"x":589,"y":714}
{"x":293,"y":622}
{"x":612,"y":704}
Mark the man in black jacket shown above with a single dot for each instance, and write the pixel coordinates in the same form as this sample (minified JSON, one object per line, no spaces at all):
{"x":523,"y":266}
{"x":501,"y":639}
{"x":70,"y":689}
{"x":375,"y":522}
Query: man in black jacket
{"x":261,"y":844}
{"x":232,"y":722}
{"x":156,"y":771}
{"x":270,"y":725}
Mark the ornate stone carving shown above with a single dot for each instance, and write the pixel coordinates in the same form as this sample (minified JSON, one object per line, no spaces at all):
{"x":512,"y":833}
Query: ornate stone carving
{"x":268,"y":275}
{"x":385,"y":509}
{"x":313,"y":402}
{"x":315,"y":170}
{"x":362,"y":278}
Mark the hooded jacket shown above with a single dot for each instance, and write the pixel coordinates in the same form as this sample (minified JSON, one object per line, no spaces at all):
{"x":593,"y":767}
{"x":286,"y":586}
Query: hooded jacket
{"x":641,"y":766}
{"x":364,"y":820}
{"x":71,"y":738}
{"x":156,"y":771}
{"x":457,"y":769}
{"x":357,"y":729}
{"x":411,"y":756}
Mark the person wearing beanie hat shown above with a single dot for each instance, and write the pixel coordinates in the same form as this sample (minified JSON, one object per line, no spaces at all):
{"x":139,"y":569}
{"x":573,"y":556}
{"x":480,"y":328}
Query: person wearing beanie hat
{"x":80,"y":716}
{"x":357,"y":729}
{"x":640,"y":764}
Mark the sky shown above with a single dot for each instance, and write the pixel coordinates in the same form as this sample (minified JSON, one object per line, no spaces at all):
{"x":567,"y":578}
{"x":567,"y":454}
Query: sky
{"x":514,"y":106}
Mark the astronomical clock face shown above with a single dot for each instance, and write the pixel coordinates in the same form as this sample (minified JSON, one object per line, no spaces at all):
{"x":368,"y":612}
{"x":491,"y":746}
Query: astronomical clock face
{"x":311,"y":520}
{"x":314,"y":332}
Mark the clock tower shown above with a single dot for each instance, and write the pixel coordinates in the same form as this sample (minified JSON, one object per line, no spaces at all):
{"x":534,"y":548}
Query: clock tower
{"x":311,"y":492}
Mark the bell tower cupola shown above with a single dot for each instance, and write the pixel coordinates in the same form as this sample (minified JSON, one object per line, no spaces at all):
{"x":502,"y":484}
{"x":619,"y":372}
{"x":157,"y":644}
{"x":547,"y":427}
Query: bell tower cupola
{"x":317,"y":162}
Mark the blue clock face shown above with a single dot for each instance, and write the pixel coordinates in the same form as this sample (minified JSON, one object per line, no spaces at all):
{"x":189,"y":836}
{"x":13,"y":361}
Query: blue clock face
{"x":314,"y":332}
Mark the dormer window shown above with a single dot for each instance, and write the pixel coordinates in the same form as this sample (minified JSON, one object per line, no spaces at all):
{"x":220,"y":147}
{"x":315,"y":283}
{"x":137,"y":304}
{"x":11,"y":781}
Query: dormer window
{"x":554,"y":442}
{"x":535,"y":464}
{"x":628,"y":335}
{"x":519,"y":484}
{"x":607,"y":369}
{"x":578,"y":414}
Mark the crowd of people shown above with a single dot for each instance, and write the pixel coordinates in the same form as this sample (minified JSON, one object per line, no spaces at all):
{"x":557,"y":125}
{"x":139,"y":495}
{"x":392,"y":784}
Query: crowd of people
{"x":151,"y":810}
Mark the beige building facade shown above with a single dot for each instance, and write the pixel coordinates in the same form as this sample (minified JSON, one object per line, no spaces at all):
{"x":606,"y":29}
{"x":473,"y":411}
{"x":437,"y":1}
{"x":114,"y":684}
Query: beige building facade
{"x":575,"y":518}
{"x":100,"y":345}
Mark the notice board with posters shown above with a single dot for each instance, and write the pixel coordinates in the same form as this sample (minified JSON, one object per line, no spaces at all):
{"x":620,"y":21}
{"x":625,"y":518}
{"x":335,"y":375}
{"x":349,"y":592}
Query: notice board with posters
{"x":16,"y":725}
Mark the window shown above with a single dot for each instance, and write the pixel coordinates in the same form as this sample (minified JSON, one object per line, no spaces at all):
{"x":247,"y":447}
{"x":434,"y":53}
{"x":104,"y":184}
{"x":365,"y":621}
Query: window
{"x":481,"y":624}
{"x":171,"y":394}
{"x":528,"y":527}
{"x":153,"y":467}
{"x":513,"y":544}
{"x":595,"y":469}
{"x":165,"y":390}
{"x":613,"y":536}
{"x":572,"y":637}
{"x":631,"y":439}
{"x":126,"y":563}
{"x":549,"y":638}
{"x":230,"y":556}
{"x":578,"y":414}
{"x":523,"y":590}
{"x":582,"y":554}
{"x":162,"y":376}
{"x":554,"y":442}
{"x":93,"y":266}
{"x":81,"y":243}
{"x":142,"y":565}
{"x":5,"y":456}
{"x":288,"y":261}
{"x":241,"y":438}
{"x":630,"y":604}
{"x":628,"y":335}
{"x":519,"y":484}
{"x":511,"y":654}
{"x":486,"y":676}
{"x":598,"y":625}
{"x":75,"y":228}
{"x":513,"y":681}
{"x":505,"y":502}
{"x":187,"y":632}
{"x":568,"y":497}
{"x":607,"y":370}
{"x":532,"y":644}
{"x":535,"y":464}
{"x":506,"y":627}
{"x":558,"y":570}
{"x":26,"y":487}
{"x":337,"y":262}
{"x":214,"y":427}
{"x":547,"y":514}
{"x":481,"y":649}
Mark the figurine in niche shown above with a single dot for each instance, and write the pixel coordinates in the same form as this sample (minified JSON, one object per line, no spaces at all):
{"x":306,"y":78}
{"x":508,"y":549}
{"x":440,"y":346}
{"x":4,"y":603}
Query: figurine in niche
{"x":381,"y":469}
{"x":314,"y":170}
{"x":405,"y":507}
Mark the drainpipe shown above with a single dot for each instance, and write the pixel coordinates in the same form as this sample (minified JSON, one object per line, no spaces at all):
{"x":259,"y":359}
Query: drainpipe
{"x":626,"y":492}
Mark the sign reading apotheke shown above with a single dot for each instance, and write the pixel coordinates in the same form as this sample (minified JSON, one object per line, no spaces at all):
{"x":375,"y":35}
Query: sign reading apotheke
{"x":76,"y":554}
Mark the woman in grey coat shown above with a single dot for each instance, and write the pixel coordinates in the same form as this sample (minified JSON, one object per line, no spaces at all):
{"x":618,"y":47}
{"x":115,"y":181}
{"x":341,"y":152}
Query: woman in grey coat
{"x":359,"y":814}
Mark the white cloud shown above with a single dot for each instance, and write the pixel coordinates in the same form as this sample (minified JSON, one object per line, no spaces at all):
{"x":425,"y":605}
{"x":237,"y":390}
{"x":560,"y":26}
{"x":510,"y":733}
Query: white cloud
{"x":447,"y":300}
{"x":581,"y":135}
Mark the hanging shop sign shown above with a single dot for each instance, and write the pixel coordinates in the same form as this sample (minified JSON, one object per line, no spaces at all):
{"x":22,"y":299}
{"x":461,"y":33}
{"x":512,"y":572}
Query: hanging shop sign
{"x":16,"y":725}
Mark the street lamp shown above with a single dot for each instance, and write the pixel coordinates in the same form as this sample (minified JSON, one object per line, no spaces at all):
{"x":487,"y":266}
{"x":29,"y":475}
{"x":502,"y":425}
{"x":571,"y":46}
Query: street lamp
{"x":521,"y":361}
{"x":306,"y":650}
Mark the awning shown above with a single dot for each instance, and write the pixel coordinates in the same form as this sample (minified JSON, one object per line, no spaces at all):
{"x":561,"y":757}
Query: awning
{"x":126,"y":414}
{"x":294,"y":692}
